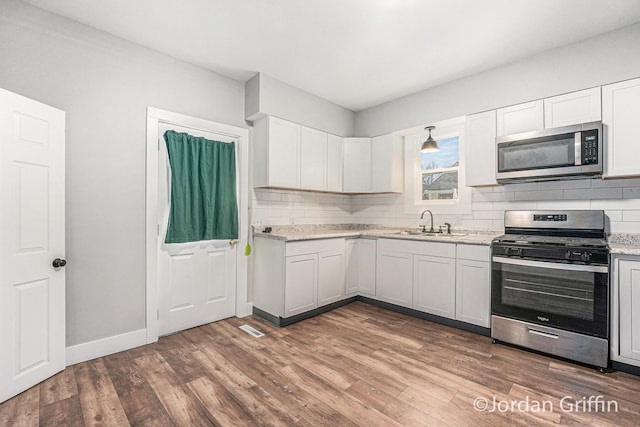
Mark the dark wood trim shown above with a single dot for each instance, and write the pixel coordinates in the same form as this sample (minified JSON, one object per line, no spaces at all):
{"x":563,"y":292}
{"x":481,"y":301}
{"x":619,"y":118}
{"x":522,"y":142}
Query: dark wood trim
{"x":286,"y":321}
{"x":625,"y":367}
{"x":426,"y":316}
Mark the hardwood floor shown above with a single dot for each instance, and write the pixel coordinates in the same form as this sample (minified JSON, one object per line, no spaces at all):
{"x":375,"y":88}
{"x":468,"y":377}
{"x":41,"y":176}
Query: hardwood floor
{"x":358,"y":365}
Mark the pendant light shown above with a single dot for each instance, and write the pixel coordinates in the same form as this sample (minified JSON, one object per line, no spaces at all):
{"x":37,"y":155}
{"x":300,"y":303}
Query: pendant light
{"x":429,"y":145}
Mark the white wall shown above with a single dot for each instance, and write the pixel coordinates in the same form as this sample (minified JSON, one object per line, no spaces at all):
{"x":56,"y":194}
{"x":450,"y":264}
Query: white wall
{"x":599,"y":60}
{"x":283,"y":207}
{"x":265,"y":95}
{"x":104,"y":85}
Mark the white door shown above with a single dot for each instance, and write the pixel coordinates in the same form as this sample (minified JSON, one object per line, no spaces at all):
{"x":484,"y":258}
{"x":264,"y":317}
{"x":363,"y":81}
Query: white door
{"x":32,"y":291}
{"x":196,"y":281}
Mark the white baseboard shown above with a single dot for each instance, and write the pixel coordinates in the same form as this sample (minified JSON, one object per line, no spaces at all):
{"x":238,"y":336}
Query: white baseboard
{"x":105,"y":346}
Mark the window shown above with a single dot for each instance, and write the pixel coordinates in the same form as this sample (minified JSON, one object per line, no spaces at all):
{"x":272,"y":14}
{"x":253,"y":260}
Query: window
{"x":439,"y":171}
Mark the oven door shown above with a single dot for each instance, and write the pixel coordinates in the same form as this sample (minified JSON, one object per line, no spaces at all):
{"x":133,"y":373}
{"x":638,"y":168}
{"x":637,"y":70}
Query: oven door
{"x":573,"y":297}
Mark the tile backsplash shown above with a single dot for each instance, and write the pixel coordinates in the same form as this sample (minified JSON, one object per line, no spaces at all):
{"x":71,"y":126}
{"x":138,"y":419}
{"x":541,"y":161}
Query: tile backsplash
{"x":620,"y":199}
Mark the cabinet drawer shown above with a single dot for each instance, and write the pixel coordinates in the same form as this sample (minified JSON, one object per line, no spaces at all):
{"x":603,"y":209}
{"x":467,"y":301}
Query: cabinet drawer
{"x":447,"y":250}
{"x":314,"y":246}
{"x":473,"y":252}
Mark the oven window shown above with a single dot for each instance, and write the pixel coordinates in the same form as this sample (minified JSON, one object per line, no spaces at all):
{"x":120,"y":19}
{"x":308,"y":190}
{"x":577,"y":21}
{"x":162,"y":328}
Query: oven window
{"x":566,"y":293}
{"x":553,"y":152}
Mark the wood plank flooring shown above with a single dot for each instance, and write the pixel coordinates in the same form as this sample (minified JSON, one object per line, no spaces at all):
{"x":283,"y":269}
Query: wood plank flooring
{"x":358,"y":365}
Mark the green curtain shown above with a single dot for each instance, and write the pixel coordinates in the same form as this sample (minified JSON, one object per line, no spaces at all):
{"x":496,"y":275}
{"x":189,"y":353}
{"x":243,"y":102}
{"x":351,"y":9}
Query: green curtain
{"x":203,"y":189}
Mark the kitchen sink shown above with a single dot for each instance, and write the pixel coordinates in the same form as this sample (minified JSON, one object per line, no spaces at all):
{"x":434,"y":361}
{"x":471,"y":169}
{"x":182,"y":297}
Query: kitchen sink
{"x":425,"y":233}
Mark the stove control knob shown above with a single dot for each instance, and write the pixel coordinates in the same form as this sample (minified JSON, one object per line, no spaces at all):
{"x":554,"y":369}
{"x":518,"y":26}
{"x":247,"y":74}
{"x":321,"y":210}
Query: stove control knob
{"x":507,"y":251}
{"x":586,"y":256}
{"x":520,"y":252}
{"x":567,"y":255}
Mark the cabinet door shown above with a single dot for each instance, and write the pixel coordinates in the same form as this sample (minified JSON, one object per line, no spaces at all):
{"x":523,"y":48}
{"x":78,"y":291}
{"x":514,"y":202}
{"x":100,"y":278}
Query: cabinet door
{"x":361,"y":267}
{"x":394,"y":278}
{"x":520,"y":118}
{"x":334,"y":163}
{"x":434,"y":285}
{"x":284,"y":153}
{"x":629,"y":309}
{"x":313,"y":159}
{"x":620,"y":106}
{"x":480,"y":149}
{"x":573,"y":108}
{"x":387,"y":164}
{"x":473,"y":292}
{"x":357,"y":165}
{"x":301,"y":284}
{"x":331,"y":277}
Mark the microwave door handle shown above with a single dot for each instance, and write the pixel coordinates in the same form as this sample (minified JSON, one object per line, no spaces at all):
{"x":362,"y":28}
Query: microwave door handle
{"x":552,"y":265}
{"x":578,"y":148}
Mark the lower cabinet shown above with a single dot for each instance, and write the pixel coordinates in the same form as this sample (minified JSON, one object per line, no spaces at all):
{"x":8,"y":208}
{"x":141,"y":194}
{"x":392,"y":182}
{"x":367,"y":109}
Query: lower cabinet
{"x":292,"y":278}
{"x":300,"y":284}
{"x":394,"y":278}
{"x":434,"y":285}
{"x":445,"y":279}
{"x":625,"y":310}
{"x":331,"y":276}
{"x":473,"y":285}
{"x":361,"y":266}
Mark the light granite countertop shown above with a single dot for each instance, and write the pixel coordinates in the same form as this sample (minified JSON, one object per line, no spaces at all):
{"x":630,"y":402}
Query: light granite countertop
{"x":619,"y":243}
{"x":311,"y":232}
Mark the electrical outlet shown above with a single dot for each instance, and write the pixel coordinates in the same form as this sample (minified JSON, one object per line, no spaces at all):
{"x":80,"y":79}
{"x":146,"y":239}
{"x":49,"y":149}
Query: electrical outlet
{"x":258,"y":221}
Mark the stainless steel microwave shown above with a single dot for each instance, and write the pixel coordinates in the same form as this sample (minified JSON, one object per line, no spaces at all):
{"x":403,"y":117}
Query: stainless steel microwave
{"x":559,"y":153}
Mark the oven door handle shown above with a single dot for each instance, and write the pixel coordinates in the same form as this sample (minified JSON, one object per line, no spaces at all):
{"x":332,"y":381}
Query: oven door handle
{"x":552,"y":265}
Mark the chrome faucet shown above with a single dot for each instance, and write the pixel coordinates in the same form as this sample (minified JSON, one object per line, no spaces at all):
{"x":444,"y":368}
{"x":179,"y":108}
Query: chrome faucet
{"x":424,"y":230}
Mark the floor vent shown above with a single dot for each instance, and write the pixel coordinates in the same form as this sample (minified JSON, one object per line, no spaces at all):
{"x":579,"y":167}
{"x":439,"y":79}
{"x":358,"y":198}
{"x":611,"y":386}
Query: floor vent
{"x":252,"y":331}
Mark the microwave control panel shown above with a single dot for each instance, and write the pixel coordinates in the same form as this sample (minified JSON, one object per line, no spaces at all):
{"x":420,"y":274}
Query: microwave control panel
{"x":590,"y":147}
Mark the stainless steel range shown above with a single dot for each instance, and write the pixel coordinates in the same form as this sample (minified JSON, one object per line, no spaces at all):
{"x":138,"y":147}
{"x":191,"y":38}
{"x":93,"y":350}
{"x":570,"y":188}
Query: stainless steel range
{"x":550,"y":284}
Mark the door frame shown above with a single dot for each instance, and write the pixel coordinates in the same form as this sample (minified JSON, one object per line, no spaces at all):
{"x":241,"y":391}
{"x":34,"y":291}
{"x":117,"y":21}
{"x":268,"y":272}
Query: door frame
{"x":155,"y":116}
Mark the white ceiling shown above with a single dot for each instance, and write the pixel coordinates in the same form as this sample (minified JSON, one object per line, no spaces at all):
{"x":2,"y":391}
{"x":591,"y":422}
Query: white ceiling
{"x":355,"y":53}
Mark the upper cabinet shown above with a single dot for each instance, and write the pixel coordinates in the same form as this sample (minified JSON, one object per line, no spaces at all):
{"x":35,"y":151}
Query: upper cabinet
{"x":288,"y":155}
{"x":480,"y":149}
{"x":387,"y":164}
{"x":520,"y":118}
{"x":334,"y":163}
{"x":276,"y":153}
{"x":313,"y":159}
{"x":621,"y":127}
{"x":573,"y":108}
{"x":357,"y":165}
{"x":373,"y":165}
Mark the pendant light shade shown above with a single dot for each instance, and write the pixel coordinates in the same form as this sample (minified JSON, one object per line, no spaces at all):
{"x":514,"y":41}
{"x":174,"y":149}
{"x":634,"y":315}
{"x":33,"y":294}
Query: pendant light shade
{"x":429,"y":145}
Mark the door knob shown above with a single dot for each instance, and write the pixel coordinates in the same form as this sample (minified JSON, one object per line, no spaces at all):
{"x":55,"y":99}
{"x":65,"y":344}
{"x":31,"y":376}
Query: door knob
{"x":57,"y":263}
{"x":233,"y":242}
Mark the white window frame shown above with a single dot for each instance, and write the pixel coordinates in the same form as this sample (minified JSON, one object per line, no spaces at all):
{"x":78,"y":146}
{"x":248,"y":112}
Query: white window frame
{"x":413,"y":139}
{"x":419,"y":195}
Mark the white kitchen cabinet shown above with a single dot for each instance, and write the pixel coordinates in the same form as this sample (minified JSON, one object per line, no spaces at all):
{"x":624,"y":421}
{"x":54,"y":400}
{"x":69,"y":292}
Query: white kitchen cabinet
{"x":361,"y":267}
{"x":520,"y":118}
{"x":573,"y":108}
{"x":625,"y":310}
{"x":620,"y":106}
{"x":387,"y":164}
{"x":473,"y":285}
{"x":357,"y":165}
{"x":394,"y":279}
{"x":276,"y":153}
{"x":434,"y":285}
{"x":334,"y":163}
{"x":301,"y":284}
{"x":313,"y":159}
{"x":292,"y":278}
{"x":480,"y":149}
{"x":331,"y":276}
